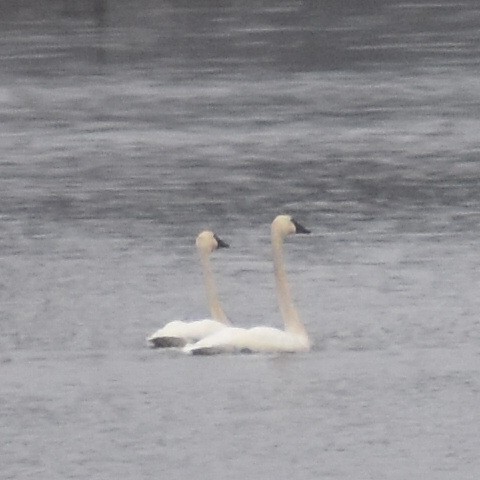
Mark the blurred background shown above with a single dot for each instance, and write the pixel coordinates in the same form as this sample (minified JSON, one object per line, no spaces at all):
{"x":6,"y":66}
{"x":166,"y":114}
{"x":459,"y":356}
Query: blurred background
{"x":128,"y":127}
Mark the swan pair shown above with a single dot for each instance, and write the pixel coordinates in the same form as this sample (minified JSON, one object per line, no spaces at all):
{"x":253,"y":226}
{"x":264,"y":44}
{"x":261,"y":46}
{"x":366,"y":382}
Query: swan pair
{"x":206,"y":337}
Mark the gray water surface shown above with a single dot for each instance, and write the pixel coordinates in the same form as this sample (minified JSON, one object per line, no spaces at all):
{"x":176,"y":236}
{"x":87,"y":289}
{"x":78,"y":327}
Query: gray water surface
{"x":126,"y":128}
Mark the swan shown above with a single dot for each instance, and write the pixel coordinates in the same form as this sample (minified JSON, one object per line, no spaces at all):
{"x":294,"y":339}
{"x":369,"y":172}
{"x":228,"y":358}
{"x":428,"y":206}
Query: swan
{"x":294,"y":338}
{"x":179,"y":333}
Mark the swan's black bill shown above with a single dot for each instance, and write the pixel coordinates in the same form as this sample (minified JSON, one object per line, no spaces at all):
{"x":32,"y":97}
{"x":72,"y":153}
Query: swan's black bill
{"x":221,"y":243}
{"x":300,"y":228}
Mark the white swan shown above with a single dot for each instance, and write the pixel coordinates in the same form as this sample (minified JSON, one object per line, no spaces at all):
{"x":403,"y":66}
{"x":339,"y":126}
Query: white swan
{"x":179,"y":333}
{"x":265,"y":339}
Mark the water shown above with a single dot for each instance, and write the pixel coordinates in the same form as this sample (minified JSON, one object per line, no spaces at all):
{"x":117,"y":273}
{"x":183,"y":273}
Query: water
{"x":128,"y":128}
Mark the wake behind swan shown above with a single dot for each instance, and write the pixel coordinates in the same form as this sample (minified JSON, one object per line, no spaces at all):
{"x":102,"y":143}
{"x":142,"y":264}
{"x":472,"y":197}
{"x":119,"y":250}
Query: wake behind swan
{"x":294,"y":338}
{"x":179,"y":333}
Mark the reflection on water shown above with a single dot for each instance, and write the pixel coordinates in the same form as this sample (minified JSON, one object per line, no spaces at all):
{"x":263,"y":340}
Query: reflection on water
{"x":127,"y":127}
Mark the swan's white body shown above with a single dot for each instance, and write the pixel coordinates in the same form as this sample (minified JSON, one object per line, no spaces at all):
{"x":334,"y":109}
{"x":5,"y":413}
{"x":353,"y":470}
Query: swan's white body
{"x":250,"y":340}
{"x":265,"y":339}
{"x":179,"y":333}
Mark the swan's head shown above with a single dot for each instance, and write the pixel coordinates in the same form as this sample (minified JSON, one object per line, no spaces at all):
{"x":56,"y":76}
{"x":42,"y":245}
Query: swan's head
{"x":286,"y":225}
{"x":207,"y":241}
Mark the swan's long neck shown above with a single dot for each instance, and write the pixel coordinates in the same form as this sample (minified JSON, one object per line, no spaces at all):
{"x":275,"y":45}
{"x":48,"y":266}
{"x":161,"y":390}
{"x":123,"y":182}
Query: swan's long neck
{"x":290,"y":316}
{"x":212,"y":296}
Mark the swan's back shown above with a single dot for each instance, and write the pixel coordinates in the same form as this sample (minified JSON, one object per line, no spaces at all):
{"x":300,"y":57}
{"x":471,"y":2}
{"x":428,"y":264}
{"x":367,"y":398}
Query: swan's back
{"x":268,"y":339}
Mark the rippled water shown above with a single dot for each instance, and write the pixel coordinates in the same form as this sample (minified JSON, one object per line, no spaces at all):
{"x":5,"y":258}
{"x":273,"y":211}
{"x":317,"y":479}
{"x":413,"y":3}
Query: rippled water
{"x":127,"y":128}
